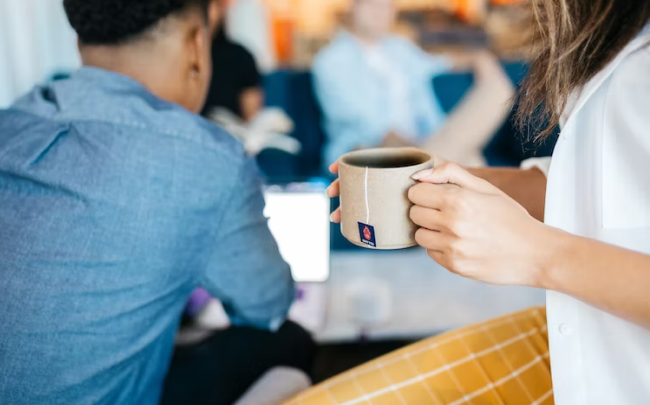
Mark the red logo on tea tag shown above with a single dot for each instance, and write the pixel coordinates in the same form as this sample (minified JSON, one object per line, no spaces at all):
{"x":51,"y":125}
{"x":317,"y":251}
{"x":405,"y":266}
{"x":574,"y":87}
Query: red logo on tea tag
{"x":366,"y":233}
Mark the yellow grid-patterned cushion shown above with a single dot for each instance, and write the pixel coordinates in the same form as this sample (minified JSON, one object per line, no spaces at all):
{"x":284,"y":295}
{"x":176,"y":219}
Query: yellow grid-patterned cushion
{"x":504,"y":361}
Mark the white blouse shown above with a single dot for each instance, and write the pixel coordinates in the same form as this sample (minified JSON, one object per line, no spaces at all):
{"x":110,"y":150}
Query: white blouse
{"x":599,"y":187}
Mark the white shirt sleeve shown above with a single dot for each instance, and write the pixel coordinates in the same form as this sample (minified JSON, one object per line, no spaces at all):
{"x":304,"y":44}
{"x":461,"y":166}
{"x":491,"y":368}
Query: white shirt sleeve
{"x":543,"y":164}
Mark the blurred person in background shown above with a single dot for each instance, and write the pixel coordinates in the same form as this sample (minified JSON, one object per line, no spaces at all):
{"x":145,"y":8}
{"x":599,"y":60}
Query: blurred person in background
{"x":235,"y":99}
{"x":376,"y":90}
{"x":116,"y":201}
{"x":236,"y":83}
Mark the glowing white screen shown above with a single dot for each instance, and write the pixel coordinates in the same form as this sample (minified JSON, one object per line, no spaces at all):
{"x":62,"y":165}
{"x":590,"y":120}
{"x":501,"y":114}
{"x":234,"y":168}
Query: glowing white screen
{"x":300,"y":224}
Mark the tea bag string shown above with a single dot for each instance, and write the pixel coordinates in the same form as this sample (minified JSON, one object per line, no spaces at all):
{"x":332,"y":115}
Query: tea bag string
{"x":365,"y":189}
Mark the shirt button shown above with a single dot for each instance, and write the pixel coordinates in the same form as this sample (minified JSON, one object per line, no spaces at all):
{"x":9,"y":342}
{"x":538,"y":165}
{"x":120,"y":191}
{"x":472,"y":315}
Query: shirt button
{"x":565,"y":329}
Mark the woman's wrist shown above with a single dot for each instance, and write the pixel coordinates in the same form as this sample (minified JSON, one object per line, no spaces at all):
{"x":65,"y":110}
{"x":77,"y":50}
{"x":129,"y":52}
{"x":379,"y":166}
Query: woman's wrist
{"x":552,"y":254}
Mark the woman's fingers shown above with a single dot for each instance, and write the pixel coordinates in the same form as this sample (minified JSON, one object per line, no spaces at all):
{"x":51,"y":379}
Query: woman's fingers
{"x":442,"y":259}
{"x":435,"y":196}
{"x":432,"y":240}
{"x":334,"y":167}
{"x":438,"y":247}
{"x":452,"y":173}
{"x":428,"y":218}
{"x":336,"y":216}
{"x":334,"y":190}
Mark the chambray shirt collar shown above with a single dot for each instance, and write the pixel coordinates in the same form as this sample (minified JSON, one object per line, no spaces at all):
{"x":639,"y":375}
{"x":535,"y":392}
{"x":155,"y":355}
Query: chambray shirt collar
{"x":107,"y":79}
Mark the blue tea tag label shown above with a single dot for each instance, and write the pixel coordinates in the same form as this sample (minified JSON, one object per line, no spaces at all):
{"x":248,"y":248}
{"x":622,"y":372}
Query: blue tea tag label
{"x":367,"y":234}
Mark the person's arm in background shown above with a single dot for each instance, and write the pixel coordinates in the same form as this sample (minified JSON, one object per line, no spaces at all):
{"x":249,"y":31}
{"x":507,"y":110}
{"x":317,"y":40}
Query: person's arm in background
{"x":251,"y":97}
{"x":482,"y":111}
{"x":350,"y":123}
{"x":246,"y":272}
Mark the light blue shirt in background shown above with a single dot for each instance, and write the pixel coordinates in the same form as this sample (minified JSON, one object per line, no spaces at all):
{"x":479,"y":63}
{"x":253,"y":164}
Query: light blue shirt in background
{"x":114,"y":206}
{"x":356,"y":102}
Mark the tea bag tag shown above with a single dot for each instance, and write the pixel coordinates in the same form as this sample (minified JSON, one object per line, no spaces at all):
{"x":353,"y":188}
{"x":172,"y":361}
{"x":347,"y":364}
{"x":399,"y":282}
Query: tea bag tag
{"x":367,"y":234}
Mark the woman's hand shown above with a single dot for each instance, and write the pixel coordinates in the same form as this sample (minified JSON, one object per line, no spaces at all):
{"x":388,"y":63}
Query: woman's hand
{"x":475,"y":230}
{"x":333,"y":191}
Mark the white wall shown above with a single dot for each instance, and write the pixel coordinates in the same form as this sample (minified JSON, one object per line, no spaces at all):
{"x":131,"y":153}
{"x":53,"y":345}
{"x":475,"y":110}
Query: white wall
{"x":36,"y":41}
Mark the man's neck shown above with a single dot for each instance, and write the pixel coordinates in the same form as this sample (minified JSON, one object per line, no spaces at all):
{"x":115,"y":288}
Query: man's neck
{"x":130,"y":62}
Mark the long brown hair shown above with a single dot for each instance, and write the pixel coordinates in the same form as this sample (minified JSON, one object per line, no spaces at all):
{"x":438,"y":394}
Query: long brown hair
{"x":572,"y":40}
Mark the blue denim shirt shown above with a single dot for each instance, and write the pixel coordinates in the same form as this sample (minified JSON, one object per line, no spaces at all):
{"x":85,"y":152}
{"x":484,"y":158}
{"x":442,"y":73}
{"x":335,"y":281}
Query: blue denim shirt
{"x":114,"y":206}
{"x":355,"y":100}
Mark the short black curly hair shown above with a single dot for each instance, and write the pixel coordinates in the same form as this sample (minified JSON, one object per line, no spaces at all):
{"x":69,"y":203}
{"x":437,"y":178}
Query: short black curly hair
{"x":113,"y":22}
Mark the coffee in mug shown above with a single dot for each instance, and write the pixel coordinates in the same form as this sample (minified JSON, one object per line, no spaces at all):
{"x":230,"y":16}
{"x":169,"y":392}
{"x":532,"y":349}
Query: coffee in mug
{"x":374,"y":196}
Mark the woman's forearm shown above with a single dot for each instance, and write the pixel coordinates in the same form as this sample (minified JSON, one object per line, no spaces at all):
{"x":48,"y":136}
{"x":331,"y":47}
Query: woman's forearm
{"x":527,"y":187}
{"x":605,"y":276}
{"x":610,"y":278}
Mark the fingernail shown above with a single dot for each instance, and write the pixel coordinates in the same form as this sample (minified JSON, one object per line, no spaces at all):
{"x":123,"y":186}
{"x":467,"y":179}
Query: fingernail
{"x":422,"y":174}
{"x":331,"y":217}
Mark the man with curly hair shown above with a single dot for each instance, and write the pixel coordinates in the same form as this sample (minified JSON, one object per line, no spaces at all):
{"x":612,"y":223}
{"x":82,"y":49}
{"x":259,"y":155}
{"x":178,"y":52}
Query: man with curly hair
{"x":116,"y":201}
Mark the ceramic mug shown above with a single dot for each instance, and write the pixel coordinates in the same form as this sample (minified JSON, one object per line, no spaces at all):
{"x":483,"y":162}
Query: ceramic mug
{"x":374,"y":196}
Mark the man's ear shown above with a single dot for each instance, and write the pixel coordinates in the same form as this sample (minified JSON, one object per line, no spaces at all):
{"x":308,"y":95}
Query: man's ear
{"x":198,"y":65}
{"x":199,"y":50}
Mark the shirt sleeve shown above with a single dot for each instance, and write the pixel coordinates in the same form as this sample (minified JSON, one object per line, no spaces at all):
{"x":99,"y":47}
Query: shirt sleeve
{"x":543,"y":164}
{"x":350,"y":121}
{"x":246,"y":271}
